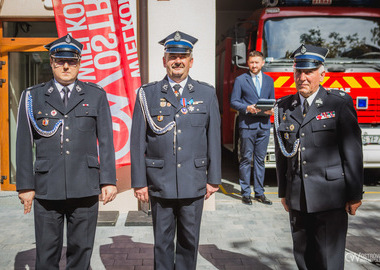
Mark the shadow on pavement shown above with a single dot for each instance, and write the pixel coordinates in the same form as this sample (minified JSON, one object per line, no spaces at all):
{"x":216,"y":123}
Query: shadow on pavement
{"x":125,"y":252}
{"x":27,"y":259}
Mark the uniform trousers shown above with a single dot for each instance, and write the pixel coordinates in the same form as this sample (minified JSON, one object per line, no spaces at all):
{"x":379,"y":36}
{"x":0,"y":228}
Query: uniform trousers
{"x":81,"y":217}
{"x":253,"y":143}
{"x":181,"y":218}
{"x":319,"y":239}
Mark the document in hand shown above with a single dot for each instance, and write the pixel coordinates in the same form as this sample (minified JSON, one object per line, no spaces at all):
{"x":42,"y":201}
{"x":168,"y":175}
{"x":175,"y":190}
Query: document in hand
{"x":265,"y":104}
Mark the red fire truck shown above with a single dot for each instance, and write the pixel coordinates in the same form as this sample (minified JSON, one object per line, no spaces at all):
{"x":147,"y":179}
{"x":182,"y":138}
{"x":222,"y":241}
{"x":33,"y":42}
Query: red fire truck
{"x":352,"y":34}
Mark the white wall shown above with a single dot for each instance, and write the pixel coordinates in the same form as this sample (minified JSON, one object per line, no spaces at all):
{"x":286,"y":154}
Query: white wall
{"x":196,"y":18}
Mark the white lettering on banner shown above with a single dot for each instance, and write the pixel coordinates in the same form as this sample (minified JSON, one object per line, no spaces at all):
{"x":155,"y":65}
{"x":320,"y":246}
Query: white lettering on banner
{"x":76,"y":26}
{"x":73,"y":14}
{"x":107,"y":57}
{"x":104,"y":41}
{"x":117,"y":111}
{"x":110,"y":23}
{"x":135,"y":67}
{"x":71,"y":1}
{"x":129,"y":41}
{"x":111,"y":78}
{"x":99,"y":10}
{"x":84,"y":72}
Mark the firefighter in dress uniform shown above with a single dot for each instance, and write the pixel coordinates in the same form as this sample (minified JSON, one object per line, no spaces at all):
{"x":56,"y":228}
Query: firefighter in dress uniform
{"x":69,"y":123}
{"x":176,"y":154}
{"x":319,"y":163}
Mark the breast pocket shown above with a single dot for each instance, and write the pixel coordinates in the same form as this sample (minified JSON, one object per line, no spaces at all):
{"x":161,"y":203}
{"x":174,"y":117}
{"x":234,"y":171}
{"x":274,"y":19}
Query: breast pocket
{"x":86,"y":118}
{"x":288,"y":132}
{"x":47,"y":121}
{"x":161,"y":115}
{"x":198,"y":116}
{"x":324,"y":132}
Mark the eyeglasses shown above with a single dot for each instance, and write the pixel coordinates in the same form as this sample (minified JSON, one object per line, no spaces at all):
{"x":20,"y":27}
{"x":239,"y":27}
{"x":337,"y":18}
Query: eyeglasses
{"x":59,"y":62}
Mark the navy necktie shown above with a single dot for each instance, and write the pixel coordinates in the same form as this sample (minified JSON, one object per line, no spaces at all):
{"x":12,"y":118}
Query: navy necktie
{"x":66,"y":95}
{"x":305,"y":107}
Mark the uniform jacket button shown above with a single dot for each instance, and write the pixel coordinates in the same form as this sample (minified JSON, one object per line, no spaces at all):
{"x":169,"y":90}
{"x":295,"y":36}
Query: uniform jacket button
{"x":67,"y":152}
{"x":179,"y":165}
{"x":306,"y":175}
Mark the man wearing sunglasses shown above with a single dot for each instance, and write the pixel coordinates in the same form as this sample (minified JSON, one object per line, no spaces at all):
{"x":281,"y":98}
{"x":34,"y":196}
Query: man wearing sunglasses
{"x":65,"y":125}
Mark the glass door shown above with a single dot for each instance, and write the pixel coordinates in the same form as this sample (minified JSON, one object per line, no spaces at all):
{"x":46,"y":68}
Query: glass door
{"x":24,"y":62}
{"x":25,"y":69}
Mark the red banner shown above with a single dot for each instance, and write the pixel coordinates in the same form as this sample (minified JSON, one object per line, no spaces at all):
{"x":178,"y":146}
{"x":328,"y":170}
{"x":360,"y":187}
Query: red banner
{"x":109,"y":57}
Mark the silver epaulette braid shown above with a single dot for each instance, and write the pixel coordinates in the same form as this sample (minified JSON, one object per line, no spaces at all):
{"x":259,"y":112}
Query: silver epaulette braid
{"x":29,"y":108}
{"x":280,"y":142}
{"x":154,"y":127}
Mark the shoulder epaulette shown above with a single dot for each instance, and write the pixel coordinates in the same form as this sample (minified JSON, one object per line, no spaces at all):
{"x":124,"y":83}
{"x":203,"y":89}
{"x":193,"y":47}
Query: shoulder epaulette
{"x":149,"y":84}
{"x":283,"y":98}
{"x":337,"y":92}
{"x":93,"y":84}
{"x":204,"y":83}
{"x":36,"y":86}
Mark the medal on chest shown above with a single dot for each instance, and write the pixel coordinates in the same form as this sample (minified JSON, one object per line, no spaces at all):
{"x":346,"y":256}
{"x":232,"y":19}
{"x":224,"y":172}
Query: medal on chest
{"x":184,"y":108}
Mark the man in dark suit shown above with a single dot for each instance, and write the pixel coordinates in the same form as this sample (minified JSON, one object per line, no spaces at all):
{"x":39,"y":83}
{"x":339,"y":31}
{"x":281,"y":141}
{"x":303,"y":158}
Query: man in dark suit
{"x":176,"y":154}
{"x":254,"y":126}
{"x":69,"y":124}
{"x":319,"y":163}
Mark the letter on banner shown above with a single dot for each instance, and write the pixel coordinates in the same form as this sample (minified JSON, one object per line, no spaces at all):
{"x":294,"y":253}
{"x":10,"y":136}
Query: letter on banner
{"x":109,"y":57}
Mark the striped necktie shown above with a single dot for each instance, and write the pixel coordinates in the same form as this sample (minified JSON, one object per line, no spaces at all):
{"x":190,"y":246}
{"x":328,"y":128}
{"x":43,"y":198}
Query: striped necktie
{"x":176,"y":91}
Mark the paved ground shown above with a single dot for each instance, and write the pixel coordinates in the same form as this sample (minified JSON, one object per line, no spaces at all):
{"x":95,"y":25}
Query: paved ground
{"x":235,"y":236}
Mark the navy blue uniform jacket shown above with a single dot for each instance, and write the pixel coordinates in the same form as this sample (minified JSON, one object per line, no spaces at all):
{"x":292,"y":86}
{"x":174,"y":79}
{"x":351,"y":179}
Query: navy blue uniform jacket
{"x":66,"y":167}
{"x":183,"y":171}
{"x":244,"y":94}
{"x":331,"y":157}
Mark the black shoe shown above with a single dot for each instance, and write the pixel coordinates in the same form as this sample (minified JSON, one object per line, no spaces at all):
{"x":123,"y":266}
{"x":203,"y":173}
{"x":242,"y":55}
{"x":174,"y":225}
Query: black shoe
{"x":263,"y":199}
{"x":246,"y":200}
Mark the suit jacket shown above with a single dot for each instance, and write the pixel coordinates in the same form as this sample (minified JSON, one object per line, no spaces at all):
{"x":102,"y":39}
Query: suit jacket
{"x":244,"y":93}
{"x":66,"y":163}
{"x":177,"y":165}
{"x":330,"y":163}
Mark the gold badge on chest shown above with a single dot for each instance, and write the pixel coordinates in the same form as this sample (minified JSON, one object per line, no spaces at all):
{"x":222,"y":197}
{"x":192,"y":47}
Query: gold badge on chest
{"x":45,"y":122}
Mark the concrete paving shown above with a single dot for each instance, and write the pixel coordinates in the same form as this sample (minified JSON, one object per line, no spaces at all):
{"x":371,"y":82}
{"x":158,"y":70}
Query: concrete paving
{"x":235,"y":236}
